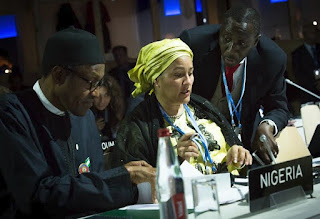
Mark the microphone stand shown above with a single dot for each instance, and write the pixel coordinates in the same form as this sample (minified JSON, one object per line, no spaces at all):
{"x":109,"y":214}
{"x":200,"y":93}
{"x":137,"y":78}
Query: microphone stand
{"x":303,"y":89}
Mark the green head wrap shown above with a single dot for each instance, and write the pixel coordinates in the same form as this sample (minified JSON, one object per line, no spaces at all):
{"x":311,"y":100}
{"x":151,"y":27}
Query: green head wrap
{"x":153,"y":59}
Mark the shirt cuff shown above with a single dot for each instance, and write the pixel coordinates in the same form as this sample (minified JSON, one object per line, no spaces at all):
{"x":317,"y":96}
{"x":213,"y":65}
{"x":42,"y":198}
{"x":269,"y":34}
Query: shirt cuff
{"x":272,"y":123}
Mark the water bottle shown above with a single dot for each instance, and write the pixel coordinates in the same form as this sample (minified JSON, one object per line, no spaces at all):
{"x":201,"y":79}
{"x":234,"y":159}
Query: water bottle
{"x":170,"y":191}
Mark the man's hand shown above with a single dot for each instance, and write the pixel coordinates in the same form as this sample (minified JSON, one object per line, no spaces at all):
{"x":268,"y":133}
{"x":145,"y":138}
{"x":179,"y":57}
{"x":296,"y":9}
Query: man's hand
{"x":186,"y":148}
{"x":267,"y":130}
{"x":141,"y":171}
{"x":238,"y":155}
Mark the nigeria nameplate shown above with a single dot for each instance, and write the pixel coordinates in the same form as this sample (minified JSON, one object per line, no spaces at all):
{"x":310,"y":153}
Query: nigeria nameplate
{"x":267,"y":180}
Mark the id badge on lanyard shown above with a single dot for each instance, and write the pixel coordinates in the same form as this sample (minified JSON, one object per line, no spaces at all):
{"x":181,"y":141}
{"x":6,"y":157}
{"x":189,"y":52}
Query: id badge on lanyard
{"x":198,"y":139}
{"x":237,"y":130}
{"x":235,"y":109}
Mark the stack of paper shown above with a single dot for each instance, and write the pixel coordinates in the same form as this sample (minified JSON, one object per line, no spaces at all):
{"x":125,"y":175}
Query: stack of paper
{"x":226,"y":193}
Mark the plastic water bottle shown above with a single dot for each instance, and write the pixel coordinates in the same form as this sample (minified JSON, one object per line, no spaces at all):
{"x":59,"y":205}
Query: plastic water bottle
{"x":170,"y":191}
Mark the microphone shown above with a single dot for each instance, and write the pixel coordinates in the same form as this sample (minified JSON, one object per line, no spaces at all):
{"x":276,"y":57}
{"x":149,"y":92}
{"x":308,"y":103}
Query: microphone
{"x":303,"y":89}
{"x":264,"y":140}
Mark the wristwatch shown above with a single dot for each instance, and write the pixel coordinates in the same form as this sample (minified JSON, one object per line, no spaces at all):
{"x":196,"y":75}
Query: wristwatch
{"x":271,"y":123}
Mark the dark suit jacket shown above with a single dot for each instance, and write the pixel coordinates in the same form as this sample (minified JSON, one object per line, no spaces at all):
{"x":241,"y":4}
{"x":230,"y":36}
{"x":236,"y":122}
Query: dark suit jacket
{"x":303,"y":66}
{"x":265,"y":83}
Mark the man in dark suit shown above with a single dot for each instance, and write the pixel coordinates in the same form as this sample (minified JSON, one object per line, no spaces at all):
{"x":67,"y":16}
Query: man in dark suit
{"x":235,"y":59}
{"x":306,"y":61}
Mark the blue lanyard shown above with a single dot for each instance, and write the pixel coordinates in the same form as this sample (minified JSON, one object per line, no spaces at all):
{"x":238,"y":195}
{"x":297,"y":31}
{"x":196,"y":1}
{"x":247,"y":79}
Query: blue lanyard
{"x":232,"y":107}
{"x":206,"y":156}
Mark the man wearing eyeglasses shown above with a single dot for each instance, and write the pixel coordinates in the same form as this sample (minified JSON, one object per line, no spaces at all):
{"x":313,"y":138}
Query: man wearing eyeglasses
{"x":51,"y":162}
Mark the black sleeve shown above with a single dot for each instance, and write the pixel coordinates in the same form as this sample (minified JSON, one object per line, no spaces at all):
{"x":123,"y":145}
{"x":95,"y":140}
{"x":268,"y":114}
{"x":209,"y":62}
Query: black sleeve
{"x":131,"y":144}
{"x":275,"y":102}
{"x":137,"y":134}
{"x":33,"y":187}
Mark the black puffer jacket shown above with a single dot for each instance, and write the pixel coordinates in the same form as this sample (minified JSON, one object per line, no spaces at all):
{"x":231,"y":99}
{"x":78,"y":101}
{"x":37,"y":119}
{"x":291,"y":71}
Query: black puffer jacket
{"x":137,"y":135}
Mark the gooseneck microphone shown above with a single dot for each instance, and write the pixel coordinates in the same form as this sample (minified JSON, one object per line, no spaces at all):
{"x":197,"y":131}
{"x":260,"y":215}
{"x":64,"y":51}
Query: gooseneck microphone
{"x":265,"y":142}
{"x":303,"y":89}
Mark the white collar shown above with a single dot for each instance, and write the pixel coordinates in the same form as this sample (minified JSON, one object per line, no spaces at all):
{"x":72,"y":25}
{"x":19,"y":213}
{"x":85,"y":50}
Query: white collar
{"x":238,"y":73}
{"x":49,"y":106}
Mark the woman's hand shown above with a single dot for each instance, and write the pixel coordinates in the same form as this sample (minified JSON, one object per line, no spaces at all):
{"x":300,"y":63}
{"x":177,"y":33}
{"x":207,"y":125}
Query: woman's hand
{"x":186,"y":148}
{"x":238,"y":155}
{"x":100,"y":123}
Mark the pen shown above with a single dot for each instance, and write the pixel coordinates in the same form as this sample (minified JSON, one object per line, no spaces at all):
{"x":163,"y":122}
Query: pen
{"x":193,"y":136}
{"x":263,"y":139}
{"x":255,"y":156}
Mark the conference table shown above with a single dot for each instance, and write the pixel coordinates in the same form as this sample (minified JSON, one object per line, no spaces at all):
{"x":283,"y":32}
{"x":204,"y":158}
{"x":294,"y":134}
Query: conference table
{"x":292,"y":147}
{"x":305,"y":208}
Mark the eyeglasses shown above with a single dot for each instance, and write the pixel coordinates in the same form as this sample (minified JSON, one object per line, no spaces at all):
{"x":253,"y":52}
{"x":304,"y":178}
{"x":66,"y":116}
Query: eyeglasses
{"x":93,"y":84}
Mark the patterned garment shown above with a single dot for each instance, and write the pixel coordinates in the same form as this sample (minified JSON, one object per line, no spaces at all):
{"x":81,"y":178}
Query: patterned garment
{"x":216,"y":142}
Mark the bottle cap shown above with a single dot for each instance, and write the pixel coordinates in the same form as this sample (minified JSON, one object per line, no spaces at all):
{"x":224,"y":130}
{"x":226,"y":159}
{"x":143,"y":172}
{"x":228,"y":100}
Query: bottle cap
{"x":163,"y":132}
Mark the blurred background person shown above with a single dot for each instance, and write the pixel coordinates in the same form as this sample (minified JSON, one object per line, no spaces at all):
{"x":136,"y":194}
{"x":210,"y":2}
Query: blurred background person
{"x":306,"y":63}
{"x":108,"y":109}
{"x":15,"y":81}
{"x":4,"y":90}
{"x":120,"y":54}
{"x":4,"y":59}
{"x":10,"y":74}
{"x":5,"y":67}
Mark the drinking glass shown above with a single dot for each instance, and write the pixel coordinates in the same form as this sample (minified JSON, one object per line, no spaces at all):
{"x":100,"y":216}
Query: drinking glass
{"x":205,"y":198}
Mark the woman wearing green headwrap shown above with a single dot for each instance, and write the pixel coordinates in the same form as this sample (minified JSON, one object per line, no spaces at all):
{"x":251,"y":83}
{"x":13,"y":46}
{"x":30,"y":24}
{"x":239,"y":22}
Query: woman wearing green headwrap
{"x":164,"y":71}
